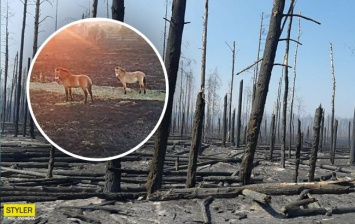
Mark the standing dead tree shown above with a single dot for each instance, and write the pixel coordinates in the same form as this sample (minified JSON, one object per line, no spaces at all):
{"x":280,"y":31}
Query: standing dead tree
{"x":239,"y":112}
{"x":284,"y":108}
{"x":231,"y":91}
{"x":333,"y":98}
{"x":298,"y":151}
{"x":173,"y":52}
{"x":113,"y":174}
{"x":263,"y":87}
{"x":3,"y":113}
{"x":18,"y":96}
{"x":315,"y":144}
{"x":334,"y":146}
{"x":199,"y":111}
{"x":224,"y":134}
{"x":352,"y":149}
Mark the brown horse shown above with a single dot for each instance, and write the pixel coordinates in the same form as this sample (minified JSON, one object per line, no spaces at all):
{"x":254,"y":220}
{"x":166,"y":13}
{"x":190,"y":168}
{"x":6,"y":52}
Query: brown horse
{"x":131,"y":77}
{"x":70,"y":80}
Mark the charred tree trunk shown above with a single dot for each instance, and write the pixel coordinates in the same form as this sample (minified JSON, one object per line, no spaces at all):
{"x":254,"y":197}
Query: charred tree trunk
{"x":291,"y":124}
{"x":200,"y":110}
{"x":239,"y":112}
{"x":233,"y":125}
{"x":334,"y":147}
{"x":172,"y":59}
{"x":352,"y":149}
{"x":224,"y":137}
{"x":196,"y":141}
{"x":231,"y":94}
{"x":113,"y":176}
{"x":272,"y":137}
{"x":315,"y":145}
{"x":6,"y":69}
{"x":262,"y":89}
{"x":298,"y":151}
{"x":26,"y":106}
{"x":284,"y":107}
{"x":349,"y":135}
{"x":20,"y":69}
{"x":333,"y":99}
{"x":94,"y":8}
{"x":118,"y":10}
{"x":50,"y":163}
{"x":321,"y":133}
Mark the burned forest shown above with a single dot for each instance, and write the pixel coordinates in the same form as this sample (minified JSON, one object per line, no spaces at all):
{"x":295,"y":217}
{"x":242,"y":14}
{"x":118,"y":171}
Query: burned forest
{"x":258,"y":127}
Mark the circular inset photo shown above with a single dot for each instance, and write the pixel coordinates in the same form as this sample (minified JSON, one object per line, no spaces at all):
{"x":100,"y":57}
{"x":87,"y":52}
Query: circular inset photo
{"x":97,"y":89}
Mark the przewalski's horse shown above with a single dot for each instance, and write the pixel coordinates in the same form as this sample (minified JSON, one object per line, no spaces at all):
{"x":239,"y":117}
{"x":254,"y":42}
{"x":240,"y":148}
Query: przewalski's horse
{"x":131,"y":77}
{"x":70,"y":80}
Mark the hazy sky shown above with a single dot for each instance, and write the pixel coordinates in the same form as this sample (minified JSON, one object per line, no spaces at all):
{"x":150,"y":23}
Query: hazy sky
{"x":231,"y":20}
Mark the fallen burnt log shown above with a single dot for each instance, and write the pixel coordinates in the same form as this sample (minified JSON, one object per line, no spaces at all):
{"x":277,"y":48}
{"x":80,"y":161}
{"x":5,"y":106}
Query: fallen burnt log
{"x":333,"y":187}
{"x":50,"y":189}
{"x":37,"y":165}
{"x":330,"y":167}
{"x":49,"y":196}
{"x":84,"y":218}
{"x":175,"y":173}
{"x":256,"y":196}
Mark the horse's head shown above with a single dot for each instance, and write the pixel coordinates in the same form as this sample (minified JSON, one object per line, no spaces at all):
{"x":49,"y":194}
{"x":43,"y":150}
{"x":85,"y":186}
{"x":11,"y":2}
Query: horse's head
{"x":56,"y":73}
{"x":119,"y":71}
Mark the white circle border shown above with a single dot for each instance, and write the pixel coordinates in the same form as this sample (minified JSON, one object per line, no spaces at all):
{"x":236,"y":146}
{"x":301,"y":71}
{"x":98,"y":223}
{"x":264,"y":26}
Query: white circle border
{"x":166,"y":87}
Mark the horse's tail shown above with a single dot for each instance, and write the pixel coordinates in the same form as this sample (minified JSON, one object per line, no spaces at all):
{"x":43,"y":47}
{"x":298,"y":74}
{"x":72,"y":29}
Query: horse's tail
{"x":144,"y":82}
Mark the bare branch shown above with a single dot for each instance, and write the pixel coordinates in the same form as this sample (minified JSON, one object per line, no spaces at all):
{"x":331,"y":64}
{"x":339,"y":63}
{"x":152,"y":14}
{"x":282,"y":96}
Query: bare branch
{"x":166,"y":19}
{"x":303,"y":17}
{"x":286,"y":39}
{"x":284,"y":65}
{"x":44,"y":19}
{"x":250,"y":66}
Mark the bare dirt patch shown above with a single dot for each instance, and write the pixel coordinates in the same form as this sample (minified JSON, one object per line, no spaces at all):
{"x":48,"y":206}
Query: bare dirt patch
{"x":106,"y":128}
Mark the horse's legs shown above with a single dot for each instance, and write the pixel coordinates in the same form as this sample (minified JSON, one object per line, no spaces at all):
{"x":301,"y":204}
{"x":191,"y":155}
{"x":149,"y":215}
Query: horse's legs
{"x":71,"y":96}
{"x":90,"y":92}
{"x":66,"y":93}
{"x":124,"y":87}
{"x":86,"y":95}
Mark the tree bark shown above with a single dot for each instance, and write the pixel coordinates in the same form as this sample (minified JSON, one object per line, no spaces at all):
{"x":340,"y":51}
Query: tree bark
{"x":315,"y":145}
{"x":262,"y":88}
{"x":94,"y":8}
{"x":3,"y":114}
{"x":233,"y":125}
{"x":334,"y":146}
{"x":17,"y":116}
{"x":231,"y":93}
{"x":352,"y":150}
{"x":284,"y":107}
{"x":196,"y":141}
{"x":272,"y":137}
{"x":118,"y":10}
{"x":172,"y":59}
{"x":333,"y":99}
{"x":239,"y":112}
{"x":298,"y":151}
{"x":50,"y":163}
{"x":113,"y":177}
{"x":224,"y":137}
